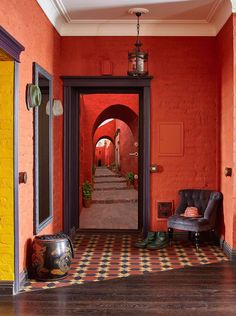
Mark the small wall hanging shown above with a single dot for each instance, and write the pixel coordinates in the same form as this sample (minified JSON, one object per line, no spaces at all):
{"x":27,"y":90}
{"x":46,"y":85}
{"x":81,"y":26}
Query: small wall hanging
{"x":33,"y":96}
{"x":57,"y":108}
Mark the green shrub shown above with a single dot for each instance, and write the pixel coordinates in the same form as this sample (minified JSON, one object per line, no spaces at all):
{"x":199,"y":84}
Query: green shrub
{"x":87,"y":190}
{"x":130,"y":176}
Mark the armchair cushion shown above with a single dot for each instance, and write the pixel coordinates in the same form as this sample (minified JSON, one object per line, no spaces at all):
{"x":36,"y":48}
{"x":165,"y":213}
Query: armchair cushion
{"x":189,"y":223}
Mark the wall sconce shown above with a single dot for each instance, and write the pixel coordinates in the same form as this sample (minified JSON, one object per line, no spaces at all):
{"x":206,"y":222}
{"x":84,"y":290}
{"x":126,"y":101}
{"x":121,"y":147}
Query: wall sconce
{"x":57,"y":108}
{"x":33,"y":96}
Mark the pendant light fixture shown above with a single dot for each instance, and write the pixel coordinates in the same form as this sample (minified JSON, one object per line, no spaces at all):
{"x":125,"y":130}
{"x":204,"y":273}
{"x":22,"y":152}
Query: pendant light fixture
{"x":138,"y":59}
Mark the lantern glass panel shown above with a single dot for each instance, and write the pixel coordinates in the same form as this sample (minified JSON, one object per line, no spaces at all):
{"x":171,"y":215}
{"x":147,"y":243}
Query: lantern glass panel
{"x":138,"y":63}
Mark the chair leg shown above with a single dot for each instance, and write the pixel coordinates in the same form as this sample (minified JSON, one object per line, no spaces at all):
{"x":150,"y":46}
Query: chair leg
{"x":197,"y":240}
{"x":189,"y":235}
{"x":213,"y":236}
{"x":170,"y":235}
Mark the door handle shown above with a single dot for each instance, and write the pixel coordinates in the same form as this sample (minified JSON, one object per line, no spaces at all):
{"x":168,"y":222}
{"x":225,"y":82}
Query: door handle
{"x":134,"y":154}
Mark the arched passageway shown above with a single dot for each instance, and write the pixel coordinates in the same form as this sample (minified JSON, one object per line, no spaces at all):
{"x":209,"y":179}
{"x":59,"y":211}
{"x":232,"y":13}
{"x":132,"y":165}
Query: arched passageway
{"x":114,"y":204}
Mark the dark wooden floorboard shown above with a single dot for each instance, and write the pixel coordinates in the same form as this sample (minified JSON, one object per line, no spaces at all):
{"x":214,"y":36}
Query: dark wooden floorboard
{"x":203,"y":290}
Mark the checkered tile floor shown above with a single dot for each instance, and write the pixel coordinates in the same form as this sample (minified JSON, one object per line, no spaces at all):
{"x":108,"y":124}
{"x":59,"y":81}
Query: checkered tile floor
{"x":108,"y":256}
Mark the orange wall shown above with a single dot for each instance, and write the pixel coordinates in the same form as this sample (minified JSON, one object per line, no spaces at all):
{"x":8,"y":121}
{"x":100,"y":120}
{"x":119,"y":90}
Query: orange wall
{"x":234,"y":133}
{"x":27,"y":23}
{"x":225,"y":51}
{"x":184,"y":89}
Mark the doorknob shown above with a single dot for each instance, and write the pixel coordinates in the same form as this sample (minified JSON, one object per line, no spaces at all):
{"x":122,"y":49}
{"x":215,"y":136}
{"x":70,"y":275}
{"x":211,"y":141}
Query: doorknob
{"x":134,"y":154}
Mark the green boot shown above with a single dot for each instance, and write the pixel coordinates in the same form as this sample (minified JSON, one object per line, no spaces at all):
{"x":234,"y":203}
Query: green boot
{"x":143,"y":243}
{"x":160,"y":241}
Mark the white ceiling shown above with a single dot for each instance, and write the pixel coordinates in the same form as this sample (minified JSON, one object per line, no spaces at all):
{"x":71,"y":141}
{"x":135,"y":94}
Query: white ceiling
{"x":111,"y":17}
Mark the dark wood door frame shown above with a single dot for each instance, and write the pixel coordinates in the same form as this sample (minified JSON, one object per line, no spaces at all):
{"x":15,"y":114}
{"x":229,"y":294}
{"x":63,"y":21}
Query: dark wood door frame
{"x":73,"y":87}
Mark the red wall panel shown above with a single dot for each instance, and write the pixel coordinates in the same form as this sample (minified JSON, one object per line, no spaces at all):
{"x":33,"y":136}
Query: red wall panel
{"x":183,"y":89}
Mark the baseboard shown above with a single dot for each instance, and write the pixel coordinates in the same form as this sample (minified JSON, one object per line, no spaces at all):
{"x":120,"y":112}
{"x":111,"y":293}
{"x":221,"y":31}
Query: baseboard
{"x":23,"y":277}
{"x":228,"y":250}
{"x":6,"y":288}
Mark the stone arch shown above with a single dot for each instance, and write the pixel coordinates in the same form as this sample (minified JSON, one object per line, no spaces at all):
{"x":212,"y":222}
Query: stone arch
{"x":120,"y":112}
{"x":102,"y":137}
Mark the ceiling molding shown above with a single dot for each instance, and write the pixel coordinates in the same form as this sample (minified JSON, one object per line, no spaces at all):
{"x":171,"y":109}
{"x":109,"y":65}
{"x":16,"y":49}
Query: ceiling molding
{"x":148,"y":29}
{"x":221,"y":15}
{"x":61,"y":8}
{"x":53,"y":13}
{"x":59,"y":17}
{"x":213,"y":10}
{"x":233,"y":2}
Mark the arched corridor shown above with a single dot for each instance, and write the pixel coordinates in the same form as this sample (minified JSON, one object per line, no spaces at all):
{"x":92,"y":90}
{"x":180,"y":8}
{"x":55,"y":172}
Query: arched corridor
{"x":115,"y":139}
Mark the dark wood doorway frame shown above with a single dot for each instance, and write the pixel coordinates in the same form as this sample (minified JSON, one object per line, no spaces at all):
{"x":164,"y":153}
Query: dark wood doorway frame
{"x":73,"y":87}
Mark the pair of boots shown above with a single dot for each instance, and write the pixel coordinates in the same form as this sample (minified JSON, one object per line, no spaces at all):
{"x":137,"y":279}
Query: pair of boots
{"x":153,"y":241}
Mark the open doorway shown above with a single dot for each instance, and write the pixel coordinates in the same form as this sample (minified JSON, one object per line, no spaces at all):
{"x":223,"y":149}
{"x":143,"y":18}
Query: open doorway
{"x":113,"y":127}
{"x":74,"y":90}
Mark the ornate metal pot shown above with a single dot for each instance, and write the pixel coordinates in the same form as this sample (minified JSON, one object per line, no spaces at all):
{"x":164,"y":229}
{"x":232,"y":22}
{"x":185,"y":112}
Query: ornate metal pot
{"x":51,"y":256}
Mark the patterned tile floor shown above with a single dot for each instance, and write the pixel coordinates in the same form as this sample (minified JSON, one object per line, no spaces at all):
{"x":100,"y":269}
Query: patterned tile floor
{"x":108,"y":256}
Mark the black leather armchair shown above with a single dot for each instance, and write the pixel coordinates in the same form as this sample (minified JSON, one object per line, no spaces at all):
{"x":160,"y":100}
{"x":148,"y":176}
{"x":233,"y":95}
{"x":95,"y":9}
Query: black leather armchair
{"x":208,"y":203}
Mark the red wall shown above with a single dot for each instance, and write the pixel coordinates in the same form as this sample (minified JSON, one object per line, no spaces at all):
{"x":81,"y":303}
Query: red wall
{"x":109,"y":154}
{"x":92,"y":106}
{"x":106,"y":130}
{"x":226,"y":79}
{"x":184,"y":89}
{"x":127,"y":163}
{"x":100,"y":155}
{"x":25,"y":21}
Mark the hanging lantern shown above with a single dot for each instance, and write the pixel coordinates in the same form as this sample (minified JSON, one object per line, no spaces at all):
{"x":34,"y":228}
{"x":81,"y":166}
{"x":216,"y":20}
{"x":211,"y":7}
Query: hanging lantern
{"x":138,"y":59}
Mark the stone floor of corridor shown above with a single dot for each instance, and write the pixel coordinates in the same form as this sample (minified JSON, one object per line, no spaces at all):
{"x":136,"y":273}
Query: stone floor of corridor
{"x":114,"y":206}
{"x":103,"y":256}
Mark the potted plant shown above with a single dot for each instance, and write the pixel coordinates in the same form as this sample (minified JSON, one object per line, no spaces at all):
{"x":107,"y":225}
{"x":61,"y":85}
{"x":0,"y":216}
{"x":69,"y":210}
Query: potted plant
{"x":129,"y":178}
{"x":87,"y":193}
{"x":136,"y":181}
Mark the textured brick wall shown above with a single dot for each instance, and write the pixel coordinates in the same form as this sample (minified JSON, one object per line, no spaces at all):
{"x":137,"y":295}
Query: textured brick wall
{"x":28,"y":24}
{"x":226,"y":79}
{"x":183,"y":89}
{"x":234,"y":133}
{"x":6,"y":171}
